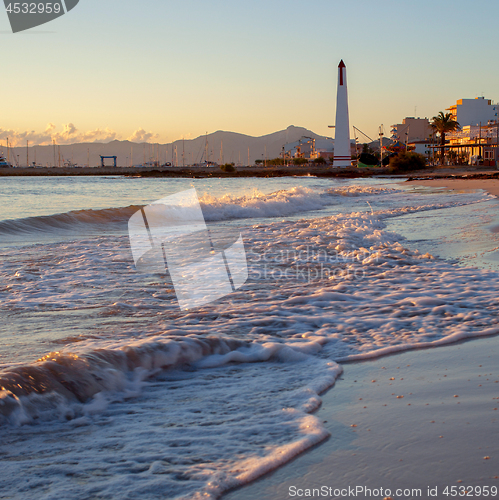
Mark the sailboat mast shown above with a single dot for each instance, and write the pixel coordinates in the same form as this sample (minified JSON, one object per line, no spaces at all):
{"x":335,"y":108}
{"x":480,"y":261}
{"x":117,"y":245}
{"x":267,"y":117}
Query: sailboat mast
{"x":381,"y":144}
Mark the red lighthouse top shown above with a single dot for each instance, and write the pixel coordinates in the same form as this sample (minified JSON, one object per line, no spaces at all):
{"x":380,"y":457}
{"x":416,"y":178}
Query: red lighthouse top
{"x":341,"y":66}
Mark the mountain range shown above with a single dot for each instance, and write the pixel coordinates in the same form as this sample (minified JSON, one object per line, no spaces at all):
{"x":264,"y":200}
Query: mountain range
{"x":222,"y":147}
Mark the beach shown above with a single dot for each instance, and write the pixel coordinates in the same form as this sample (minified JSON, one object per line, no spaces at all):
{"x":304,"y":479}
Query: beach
{"x":402,"y":426}
{"x":395,"y":427}
{"x":490,"y":185}
{"x":237,"y":267}
{"x":109,"y":390}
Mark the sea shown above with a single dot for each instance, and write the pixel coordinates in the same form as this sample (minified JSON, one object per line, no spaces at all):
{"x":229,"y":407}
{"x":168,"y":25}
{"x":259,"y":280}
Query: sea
{"x":109,"y":390}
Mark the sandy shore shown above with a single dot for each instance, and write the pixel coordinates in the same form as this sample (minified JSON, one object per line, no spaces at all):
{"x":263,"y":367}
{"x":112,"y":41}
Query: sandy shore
{"x":490,"y":185}
{"x":416,"y":420}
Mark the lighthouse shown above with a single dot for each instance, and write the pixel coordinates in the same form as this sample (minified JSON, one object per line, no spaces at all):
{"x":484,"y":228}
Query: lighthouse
{"x":342,"y":152}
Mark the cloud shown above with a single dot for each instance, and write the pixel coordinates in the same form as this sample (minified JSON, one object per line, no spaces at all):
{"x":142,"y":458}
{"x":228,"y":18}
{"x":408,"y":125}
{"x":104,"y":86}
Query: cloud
{"x":68,"y":135}
{"x":17,"y":138}
{"x":140,"y":135}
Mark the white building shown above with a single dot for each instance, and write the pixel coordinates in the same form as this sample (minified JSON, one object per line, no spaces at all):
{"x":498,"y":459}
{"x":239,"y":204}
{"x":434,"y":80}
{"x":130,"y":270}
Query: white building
{"x":421,"y":147}
{"x":411,"y":129}
{"x":474,"y":111}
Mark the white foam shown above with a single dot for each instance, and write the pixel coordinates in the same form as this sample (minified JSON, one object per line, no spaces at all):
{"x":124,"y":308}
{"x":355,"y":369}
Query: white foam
{"x":241,"y":407}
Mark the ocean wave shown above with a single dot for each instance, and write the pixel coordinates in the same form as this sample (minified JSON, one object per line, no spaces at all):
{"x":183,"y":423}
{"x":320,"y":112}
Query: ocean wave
{"x":277,"y":204}
{"x":190,"y":434}
{"x":282,"y":203}
{"x":59,"y":384}
{"x":78,"y":378}
{"x":207,"y":429}
{"x":70,"y":221}
{"x":367,"y":292}
{"x":362,"y":191}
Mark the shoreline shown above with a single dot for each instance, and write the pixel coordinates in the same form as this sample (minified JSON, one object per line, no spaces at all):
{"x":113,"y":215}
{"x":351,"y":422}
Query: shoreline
{"x":416,"y":437}
{"x":417,"y":419}
{"x":462,"y":183}
{"x":431,"y":173}
{"x":195,"y":172}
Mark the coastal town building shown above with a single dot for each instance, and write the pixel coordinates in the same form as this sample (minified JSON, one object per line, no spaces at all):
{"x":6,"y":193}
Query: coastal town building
{"x":474,"y":112}
{"x":421,"y":147}
{"x":478,"y":145}
{"x":411,"y":130}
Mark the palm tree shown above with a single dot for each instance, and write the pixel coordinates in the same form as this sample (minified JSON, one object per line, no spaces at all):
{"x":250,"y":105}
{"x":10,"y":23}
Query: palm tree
{"x":443,"y":123}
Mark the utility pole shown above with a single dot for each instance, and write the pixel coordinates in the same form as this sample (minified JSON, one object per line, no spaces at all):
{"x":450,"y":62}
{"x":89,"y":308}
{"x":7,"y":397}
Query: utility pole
{"x":381,"y":144}
{"x":480,"y":142}
{"x":497,"y":144}
{"x":27,"y":153}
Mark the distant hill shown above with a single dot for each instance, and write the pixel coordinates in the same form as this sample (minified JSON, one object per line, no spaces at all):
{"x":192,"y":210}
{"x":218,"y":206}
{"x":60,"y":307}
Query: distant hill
{"x":235,"y":149}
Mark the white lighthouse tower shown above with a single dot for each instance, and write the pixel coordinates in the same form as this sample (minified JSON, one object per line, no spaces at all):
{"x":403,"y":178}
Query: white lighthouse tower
{"x":342,"y":152}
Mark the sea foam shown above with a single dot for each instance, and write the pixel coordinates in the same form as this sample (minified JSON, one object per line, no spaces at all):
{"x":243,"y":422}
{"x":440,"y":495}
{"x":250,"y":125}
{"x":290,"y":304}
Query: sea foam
{"x":194,"y":404}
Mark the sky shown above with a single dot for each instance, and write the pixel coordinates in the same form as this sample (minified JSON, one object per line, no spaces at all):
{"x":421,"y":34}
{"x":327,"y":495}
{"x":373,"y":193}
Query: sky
{"x":160,"y":70}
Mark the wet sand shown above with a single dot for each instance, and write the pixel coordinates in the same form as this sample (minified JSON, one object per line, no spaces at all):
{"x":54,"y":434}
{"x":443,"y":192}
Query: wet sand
{"x":490,"y":185}
{"x":417,"y":420}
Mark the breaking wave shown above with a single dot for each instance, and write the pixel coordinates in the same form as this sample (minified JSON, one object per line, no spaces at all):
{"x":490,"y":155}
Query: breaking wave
{"x":70,"y":221}
{"x":278,"y":204}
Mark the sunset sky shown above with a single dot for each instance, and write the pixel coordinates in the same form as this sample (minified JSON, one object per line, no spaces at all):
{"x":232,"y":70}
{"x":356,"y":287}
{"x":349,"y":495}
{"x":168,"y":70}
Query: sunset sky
{"x":159,"y":70}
